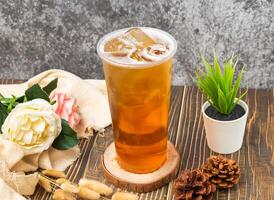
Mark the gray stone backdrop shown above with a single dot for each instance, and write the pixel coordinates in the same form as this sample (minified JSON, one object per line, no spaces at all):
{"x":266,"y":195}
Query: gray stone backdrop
{"x":36,"y":35}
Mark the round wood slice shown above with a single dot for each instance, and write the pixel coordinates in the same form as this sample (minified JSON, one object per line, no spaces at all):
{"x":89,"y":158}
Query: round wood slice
{"x":139,"y":182}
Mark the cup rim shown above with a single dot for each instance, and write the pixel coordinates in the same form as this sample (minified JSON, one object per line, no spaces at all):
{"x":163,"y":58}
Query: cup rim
{"x":136,"y":65}
{"x":242,"y":103}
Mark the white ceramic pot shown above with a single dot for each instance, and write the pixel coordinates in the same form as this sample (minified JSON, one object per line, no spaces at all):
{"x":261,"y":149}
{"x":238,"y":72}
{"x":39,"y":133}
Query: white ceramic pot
{"x":225,"y":137}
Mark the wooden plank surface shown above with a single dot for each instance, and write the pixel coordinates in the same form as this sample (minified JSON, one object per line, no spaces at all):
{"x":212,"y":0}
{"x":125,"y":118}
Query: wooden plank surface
{"x":186,"y":131}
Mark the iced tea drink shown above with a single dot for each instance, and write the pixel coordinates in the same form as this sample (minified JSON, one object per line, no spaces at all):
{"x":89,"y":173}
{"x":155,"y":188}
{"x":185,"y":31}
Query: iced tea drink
{"x":137,"y":66}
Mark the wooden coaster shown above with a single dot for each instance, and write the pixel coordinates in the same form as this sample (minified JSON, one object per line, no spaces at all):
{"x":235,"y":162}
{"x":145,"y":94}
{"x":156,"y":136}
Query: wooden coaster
{"x":139,"y":182}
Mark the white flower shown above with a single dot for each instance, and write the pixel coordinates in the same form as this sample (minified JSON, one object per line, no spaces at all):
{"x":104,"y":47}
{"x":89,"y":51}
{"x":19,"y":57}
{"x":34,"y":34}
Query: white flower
{"x":33,"y":125}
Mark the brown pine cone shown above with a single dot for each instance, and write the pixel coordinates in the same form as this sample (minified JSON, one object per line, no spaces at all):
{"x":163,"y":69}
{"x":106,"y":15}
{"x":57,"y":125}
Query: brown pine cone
{"x":193,"y":185}
{"x":222,"y":172}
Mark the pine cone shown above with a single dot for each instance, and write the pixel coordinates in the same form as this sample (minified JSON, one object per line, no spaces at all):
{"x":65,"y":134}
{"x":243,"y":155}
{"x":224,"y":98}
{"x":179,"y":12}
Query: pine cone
{"x":222,"y":172}
{"x":193,"y":185}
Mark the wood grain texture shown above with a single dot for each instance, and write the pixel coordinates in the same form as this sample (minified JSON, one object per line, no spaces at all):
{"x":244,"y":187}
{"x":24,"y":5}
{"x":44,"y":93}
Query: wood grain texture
{"x":139,"y":182}
{"x":186,"y":131}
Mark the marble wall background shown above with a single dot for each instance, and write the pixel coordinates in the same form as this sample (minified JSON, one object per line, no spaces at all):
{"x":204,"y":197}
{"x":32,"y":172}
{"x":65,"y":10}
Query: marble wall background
{"x":36,"y":35}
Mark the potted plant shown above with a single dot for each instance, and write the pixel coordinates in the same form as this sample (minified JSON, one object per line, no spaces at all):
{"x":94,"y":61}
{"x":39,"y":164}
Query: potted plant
{"x":224,"y":112}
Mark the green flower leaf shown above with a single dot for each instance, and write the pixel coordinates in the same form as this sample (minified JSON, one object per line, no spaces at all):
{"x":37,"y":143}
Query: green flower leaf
{"x":36,"y":92}
{"x":67,"y":138}
{"x":51,"y":86}
{"x":21,"y":99}
{"x":9,"y":103}
{"x":3,"y":115}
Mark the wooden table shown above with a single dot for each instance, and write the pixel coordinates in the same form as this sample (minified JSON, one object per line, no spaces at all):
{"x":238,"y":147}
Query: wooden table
{"x":256,"y":156}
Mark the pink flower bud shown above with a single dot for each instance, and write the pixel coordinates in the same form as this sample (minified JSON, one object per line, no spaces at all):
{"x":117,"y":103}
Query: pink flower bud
{"x":66,"y":108}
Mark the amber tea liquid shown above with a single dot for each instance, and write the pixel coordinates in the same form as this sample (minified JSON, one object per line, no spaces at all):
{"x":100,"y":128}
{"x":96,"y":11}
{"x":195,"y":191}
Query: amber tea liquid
{"x":137,"y":66}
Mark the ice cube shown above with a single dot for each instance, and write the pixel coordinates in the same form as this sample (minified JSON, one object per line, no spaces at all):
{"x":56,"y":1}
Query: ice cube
{"x":116,"y":45}
{"x":154,"y":52}
{"x":139,"y":56}
{"x":136,"y":55}
{"x":130,"y":43}
{"x":154,"y":99}
{"x":139,"y":38}
{"x":157,"y":49}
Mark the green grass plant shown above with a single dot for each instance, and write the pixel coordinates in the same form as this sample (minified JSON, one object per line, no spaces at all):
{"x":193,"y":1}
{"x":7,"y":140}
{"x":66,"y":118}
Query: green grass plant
{"x":219,"y":84}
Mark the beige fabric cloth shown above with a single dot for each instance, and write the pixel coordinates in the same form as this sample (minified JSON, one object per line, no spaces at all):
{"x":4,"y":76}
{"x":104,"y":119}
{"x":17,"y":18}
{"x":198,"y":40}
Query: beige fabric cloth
{"x":55,"y":159}
{"x":90,"y":94}
{"x":94,"y":111}
{"x":7,"y":193}
{"x":21,"y":183}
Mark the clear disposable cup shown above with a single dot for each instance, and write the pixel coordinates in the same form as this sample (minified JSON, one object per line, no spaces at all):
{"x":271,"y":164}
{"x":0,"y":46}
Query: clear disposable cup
{"x":139,"y":96}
